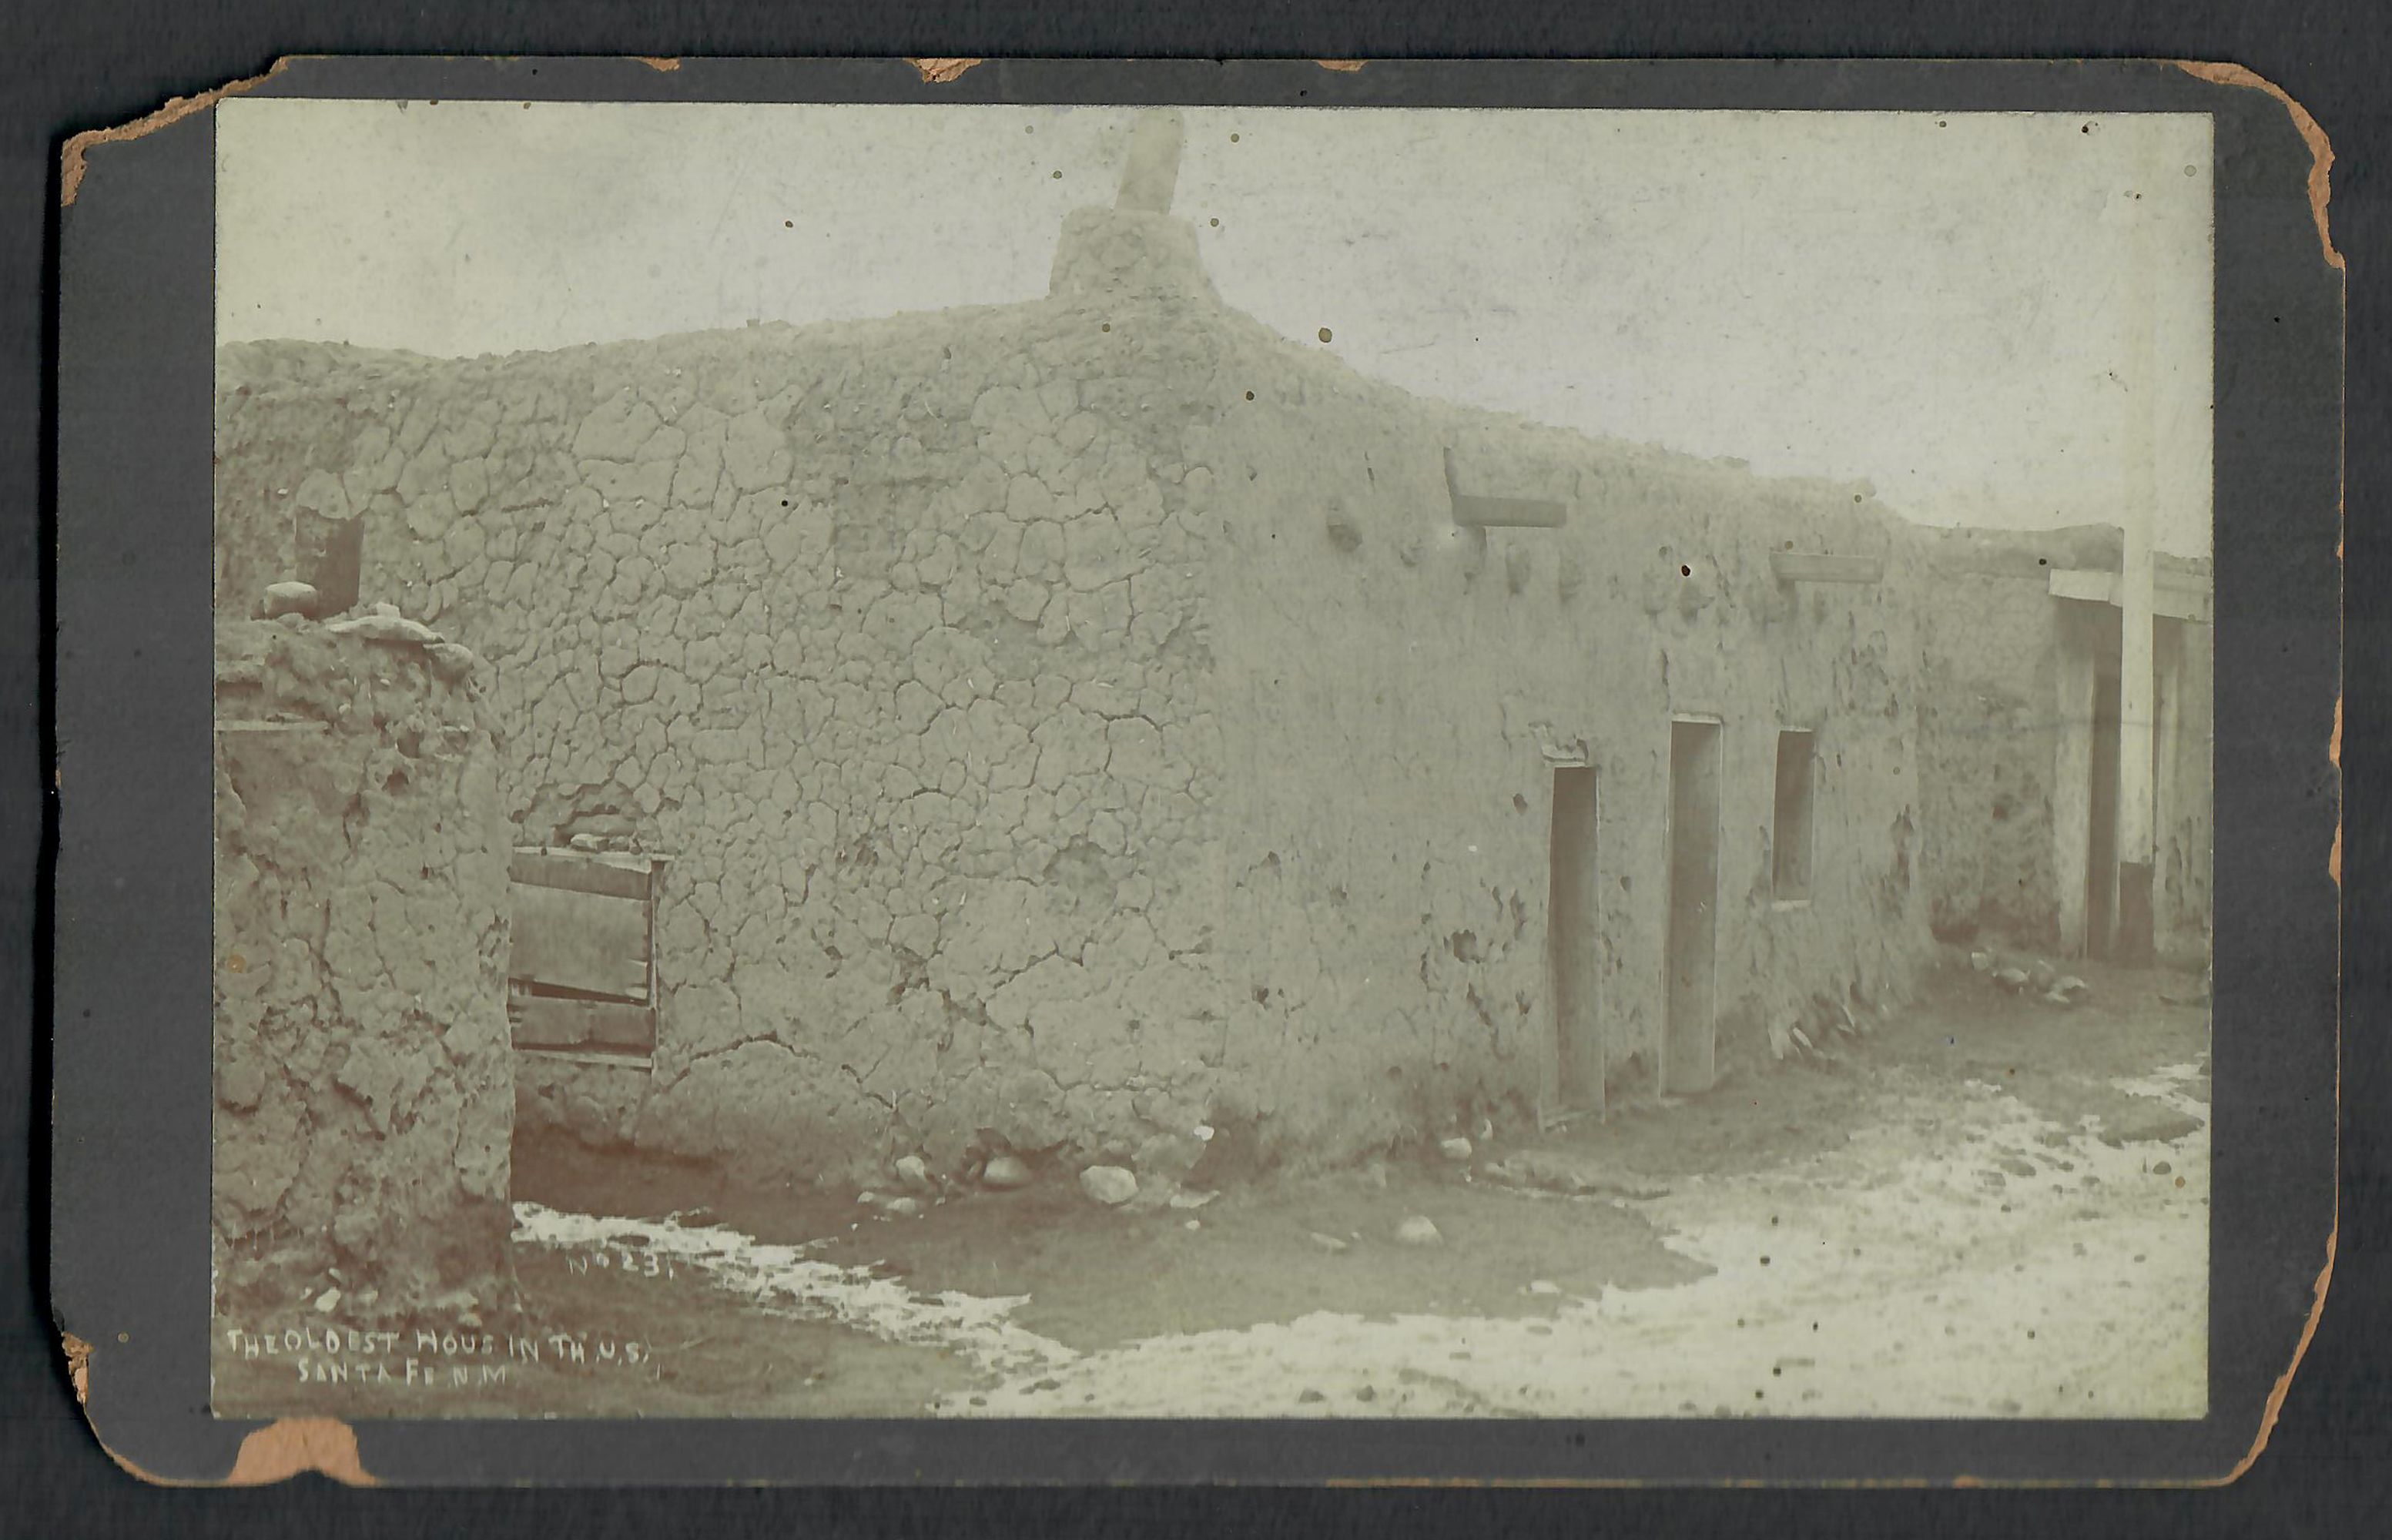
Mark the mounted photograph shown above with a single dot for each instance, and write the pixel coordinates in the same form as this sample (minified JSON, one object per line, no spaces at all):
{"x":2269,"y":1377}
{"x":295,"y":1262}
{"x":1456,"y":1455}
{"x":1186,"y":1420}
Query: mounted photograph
{"x":1040,"y":761}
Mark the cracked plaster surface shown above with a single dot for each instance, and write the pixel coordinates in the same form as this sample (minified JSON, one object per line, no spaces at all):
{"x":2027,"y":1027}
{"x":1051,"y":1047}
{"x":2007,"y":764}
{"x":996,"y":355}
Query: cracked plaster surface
{"x":1080,"y":721}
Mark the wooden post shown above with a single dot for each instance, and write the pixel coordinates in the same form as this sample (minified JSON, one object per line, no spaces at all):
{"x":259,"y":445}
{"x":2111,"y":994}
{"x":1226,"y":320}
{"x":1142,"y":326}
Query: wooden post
{"x":2072,"y":792}
{"x":2138,"y":515}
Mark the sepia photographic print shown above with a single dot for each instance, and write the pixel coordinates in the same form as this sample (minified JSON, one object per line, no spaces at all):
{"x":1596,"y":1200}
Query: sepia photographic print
{"x":1002,"y":761}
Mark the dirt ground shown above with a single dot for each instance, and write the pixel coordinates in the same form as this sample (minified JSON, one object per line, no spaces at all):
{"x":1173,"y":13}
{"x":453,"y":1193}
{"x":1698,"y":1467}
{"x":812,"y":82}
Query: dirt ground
{"x":1990,"y":1204}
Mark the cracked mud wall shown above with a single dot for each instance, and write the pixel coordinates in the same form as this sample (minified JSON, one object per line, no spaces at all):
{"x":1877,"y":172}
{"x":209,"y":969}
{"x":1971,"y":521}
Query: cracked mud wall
{"x":363,"y":1076}
{"x":888,"y":636}
{"x":1050,"y":739}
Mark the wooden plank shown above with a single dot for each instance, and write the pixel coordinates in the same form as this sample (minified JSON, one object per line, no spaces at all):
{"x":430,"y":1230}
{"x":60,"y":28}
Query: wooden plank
{"x":1791,"y":566}
{"x":2090,"y":585}
{"x":2175,"y":595}
{"x":611,"y":1058}
{"x":613,"y":876}
{"x":545,"y":1023}
{"x":613,"y":1025}
{"x":580,"y":942}
{"x":548,"y":1021}
{"x":1509,"y":512}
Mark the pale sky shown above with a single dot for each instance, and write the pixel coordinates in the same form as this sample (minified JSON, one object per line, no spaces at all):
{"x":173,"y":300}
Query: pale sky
{"x":1944,"y":306}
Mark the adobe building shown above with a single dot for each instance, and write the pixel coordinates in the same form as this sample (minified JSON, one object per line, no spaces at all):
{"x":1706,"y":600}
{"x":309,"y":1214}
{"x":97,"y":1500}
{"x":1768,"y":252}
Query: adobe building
{"x":2023,"y":727}
{"x":1092,"y":723}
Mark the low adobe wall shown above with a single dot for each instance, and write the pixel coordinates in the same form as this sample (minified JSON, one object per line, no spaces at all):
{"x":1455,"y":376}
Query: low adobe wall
{"x":364,"y":1081}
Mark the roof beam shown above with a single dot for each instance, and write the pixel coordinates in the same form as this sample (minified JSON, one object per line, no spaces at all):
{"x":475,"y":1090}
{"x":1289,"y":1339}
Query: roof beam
{"x":2178,"y":596}
{"x":1476,"y":512}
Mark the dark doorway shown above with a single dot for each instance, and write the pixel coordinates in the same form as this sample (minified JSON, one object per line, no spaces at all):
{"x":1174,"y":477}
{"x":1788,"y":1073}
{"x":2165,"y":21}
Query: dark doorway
{"x":1691,"y":1036}
{"x":1574,"y":934}
{"x":2101,"y":857}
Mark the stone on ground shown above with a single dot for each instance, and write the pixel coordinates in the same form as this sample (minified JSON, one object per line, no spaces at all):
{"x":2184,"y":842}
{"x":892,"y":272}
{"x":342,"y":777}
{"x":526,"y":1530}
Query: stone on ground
{"x":1455,"y":1148}
{"x":1326,"y":1243}
{"x":1006,"y":1172}
{"x":1418,"y":1231}
{"x":283,"y":599}
{"x":914,"y":1173}
{"x":1109,"y":1185}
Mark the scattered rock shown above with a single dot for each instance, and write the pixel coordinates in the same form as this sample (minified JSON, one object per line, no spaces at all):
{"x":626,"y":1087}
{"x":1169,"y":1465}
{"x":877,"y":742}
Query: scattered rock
{"x":453,"y":661}
{"x":1195,"y":1225}
{"x":913,"y":1171}
{"x":283,"y":599}
{"x":904,"y":1208}
{"x":2012,"y":979}
{"x":1563,"y":1171}
{"x":2043,"y":975}
{"x":1543,"y":1286}
{"x":2072,"y":987}
{"x":1326,"y":1243}
{"x":2149,"y":1123}
{"x":1455,"y":1148}
{"x":1187,"y":1198}
{"x":328,"y":1301}
{"x":393,"y":627}
{"x":1203,"y":1133}
{"x":1006,"y":1172}
{"x":1982,"y":961}
{"x":1109,"y":1185}
{"x":1418,"y":1231}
